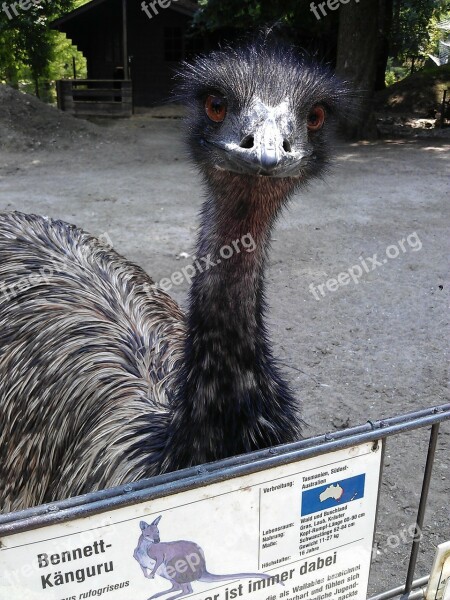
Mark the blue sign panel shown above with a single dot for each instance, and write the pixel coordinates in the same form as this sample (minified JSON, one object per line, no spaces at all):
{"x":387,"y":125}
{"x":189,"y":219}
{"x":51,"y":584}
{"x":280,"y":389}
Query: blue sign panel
{"x":334,"y":494}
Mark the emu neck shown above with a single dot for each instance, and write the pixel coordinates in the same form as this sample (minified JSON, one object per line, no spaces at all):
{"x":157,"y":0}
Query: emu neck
{"x":226,"y":298}
{"x":227,"y":340}
{"x":231,"y":398}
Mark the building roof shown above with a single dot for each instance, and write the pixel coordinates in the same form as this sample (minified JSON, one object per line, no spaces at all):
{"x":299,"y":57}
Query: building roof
{"x":186,"y":7}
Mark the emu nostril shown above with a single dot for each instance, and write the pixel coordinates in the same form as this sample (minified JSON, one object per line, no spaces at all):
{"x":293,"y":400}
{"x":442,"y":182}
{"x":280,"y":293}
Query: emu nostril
{"x":287,"y":146}
{"x":247,"y":142}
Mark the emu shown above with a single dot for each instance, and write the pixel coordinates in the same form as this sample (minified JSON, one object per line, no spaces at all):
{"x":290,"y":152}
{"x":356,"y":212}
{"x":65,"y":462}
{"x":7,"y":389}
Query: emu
{"x":103,"y":379}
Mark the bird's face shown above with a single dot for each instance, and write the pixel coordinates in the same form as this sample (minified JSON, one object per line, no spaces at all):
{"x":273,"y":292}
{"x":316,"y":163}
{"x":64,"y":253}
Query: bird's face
{"x":262,"y":138}
{"x":260,"y":111}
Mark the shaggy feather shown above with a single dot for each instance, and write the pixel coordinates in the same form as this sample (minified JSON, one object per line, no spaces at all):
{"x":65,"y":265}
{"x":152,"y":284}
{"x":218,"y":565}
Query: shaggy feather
{"x":87,"y":362}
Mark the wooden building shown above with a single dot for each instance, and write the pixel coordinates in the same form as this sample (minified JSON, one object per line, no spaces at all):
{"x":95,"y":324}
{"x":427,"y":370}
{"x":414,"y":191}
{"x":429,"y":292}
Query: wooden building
{"x":131,"y":48}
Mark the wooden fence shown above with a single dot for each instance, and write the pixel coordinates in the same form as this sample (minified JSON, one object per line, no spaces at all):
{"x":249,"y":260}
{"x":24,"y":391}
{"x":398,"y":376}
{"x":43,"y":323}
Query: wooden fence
{"x":95,"y":98}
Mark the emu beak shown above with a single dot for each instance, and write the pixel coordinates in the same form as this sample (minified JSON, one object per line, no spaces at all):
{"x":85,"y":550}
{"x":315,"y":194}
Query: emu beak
{"x":269,"y":146}
{"x":272,"y":129}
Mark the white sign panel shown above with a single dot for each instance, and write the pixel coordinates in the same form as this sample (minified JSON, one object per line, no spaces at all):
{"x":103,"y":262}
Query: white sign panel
{"x":439,"y":583}
{"x":293,"y":532}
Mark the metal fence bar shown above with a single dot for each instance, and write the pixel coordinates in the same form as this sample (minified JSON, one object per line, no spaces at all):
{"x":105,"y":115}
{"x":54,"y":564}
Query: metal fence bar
{"x":421,"y":511}
{"x":418,"y":583}
{"x":419,"y":595}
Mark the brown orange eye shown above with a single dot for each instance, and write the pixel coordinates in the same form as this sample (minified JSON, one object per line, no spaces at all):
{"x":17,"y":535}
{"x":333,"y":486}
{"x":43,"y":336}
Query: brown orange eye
{"x":316,"y":118}
{"x":216,"y":108}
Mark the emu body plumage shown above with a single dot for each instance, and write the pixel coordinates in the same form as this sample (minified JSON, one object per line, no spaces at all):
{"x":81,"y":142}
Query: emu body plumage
{"x":103,"y":380}
{"x":88,"y":354}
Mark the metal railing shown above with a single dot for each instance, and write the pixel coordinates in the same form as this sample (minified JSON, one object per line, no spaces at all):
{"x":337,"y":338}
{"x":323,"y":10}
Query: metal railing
{"x":196,"y":477}
{"x":409,"y":591}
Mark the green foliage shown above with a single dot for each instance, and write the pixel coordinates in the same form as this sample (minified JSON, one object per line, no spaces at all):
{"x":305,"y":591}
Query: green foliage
{"x":390,"y":78}
{"x":290,"y":15}
{"x":10,"y":62}
{"x":216,"y":14}
{"x":414,"y":28}
{"x":59,"y":67}
{"x":394,"y":73}
{"x":435,"y":34}
{"x":28,"y":45}
{"x":65,"y":55}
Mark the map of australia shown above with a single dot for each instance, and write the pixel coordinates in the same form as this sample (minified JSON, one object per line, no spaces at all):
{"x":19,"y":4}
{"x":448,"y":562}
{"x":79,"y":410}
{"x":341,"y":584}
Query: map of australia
{"x":335,"y":492}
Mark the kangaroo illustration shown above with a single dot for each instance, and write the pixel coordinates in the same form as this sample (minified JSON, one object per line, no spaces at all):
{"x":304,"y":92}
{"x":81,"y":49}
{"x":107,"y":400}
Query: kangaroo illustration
{"x":181,"y":562}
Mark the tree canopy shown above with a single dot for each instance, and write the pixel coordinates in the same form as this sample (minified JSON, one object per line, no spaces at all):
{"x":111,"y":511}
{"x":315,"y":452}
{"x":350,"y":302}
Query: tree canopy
{"x":413,"y":27}
{"x":27,"y":44}
{"x":410,"y":23}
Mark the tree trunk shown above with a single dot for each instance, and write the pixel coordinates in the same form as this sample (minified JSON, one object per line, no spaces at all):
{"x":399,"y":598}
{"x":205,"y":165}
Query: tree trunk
{"x":395,"y":31}
{"x":386,"y":16}
{"x":12,"y":78}
{"x":360,"y":24}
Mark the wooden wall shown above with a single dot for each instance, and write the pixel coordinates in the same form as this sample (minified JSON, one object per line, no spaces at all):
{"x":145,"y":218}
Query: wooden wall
{"x":152,"y":53}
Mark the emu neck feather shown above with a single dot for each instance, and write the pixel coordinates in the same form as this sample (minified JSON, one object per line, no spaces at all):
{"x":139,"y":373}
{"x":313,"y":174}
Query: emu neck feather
{"x":230,"y":391}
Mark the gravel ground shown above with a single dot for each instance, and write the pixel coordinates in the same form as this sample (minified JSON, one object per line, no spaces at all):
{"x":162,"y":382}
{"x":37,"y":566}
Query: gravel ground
{"x":370,"y":348}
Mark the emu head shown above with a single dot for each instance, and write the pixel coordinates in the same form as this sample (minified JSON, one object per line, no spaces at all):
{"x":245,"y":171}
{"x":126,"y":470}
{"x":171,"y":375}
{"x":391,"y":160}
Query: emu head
{"x":260,"y":110}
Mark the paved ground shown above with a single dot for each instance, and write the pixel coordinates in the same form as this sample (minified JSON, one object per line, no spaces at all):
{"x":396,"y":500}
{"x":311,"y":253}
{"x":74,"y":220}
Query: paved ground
{"x":372,"y":346}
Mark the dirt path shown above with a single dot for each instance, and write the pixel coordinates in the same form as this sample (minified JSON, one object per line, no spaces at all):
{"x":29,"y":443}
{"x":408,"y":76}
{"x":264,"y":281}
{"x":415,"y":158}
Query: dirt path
{"x":371,"y":347}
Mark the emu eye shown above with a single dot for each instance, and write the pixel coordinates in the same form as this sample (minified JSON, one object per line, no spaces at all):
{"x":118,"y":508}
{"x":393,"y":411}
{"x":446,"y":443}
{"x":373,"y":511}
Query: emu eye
{"x":216,"y":108}
{"x":316,"y":118}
